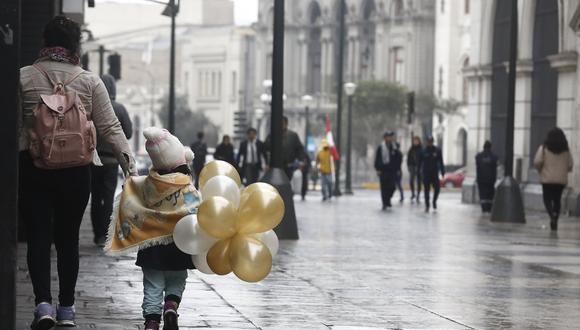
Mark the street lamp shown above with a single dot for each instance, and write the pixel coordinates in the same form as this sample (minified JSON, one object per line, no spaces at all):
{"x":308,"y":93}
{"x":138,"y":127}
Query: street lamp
{"x":349,"y":89}
{"x":171,"y":10}
{"x":306,"y":100}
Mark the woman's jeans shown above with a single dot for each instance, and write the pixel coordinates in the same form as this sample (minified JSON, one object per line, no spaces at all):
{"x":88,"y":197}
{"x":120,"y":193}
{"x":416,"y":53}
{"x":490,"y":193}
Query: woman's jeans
{"x":326,"y":181}
{"x":552,"y":193}
{"x":415,"y":177}
{"x":52,"y":204}
{"x":158,"y":284}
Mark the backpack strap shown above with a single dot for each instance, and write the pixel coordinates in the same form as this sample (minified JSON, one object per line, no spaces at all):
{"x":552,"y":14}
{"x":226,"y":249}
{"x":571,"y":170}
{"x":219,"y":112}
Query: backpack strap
{"x":74,"y":76}
{"x":58,"y":85}
{"x":45,"y":74}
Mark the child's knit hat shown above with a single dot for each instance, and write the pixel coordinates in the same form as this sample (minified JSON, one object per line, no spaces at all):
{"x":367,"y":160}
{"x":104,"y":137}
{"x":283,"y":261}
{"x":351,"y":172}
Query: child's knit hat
{"x":165,"y":150}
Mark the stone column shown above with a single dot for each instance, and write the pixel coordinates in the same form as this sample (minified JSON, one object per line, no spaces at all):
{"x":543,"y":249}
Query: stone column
{"x":523,"y":118}
{"x":479,"y":123}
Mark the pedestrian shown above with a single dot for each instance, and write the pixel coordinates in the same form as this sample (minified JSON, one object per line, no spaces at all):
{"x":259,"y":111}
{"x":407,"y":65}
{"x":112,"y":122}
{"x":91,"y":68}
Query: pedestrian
{"x":486,"y":165}
{"x":399,"y":175}
{"x":55,"y":180}
{"x":251,"y":157}
{"x":165,"y":267}
{"x":292,"y":147}
{"x":305,"y":175}
{"x":324,"y":162}
{"x":199,"y":148}
{"x":554,"y":161}
{"x":413,"y":166}
{"x":387,"y":162}
{"x":225,"y":151}
{"x":104,"y":178}
{"x":431,"y":164}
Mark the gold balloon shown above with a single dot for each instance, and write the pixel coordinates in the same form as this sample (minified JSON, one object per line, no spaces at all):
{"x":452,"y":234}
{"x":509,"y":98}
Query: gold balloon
{"x":218,"y":257}
{"x":261,"y":211}
{"x":218,"y":167}
{"x":218,"y":217}
{"x":250,"y":259}
{"x":256,"y":186}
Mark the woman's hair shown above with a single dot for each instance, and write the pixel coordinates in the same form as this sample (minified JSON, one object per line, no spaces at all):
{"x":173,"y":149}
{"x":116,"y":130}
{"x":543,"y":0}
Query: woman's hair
{"x":416,"y":138}
{"x":487,"y":145}
{"x":556,"y":141}
{"x":63,"y":32}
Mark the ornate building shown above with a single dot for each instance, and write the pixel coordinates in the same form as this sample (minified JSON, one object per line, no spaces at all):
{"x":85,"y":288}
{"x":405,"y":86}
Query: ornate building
{"x":547,"y":93}
{"x":385,"y":40}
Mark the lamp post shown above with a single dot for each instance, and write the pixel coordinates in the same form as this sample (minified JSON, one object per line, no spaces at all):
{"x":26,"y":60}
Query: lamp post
{"x":276,"y":176}
{"x":349,"y":89}
{"x":171,"y":10}
{"x":507,"y":203}
{"x":307,"y":100}
{"x":340,"y":74}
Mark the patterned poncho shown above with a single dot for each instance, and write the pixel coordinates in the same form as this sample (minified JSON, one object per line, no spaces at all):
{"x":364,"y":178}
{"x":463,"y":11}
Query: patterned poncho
{"x":147,"y":210}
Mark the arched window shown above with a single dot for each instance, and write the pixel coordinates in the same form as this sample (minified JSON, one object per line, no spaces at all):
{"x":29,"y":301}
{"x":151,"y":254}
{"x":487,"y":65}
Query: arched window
{"x":398,"y":7}
{"x":367,"y":40}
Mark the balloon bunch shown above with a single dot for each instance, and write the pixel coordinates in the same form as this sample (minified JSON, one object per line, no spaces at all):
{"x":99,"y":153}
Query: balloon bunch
{"x":232,"y":231}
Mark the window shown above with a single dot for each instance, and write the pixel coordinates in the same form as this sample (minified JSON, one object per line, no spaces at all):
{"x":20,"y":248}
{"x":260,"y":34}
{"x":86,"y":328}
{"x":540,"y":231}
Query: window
{"x":398,"y":65}
{"x":398,"y":7}
{"x":442,"y":6}
{"x":209,"y":84}
{"x":466,"y":7}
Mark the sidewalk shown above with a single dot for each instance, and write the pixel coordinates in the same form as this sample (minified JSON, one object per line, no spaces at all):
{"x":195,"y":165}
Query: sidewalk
{"x":356,"y":267}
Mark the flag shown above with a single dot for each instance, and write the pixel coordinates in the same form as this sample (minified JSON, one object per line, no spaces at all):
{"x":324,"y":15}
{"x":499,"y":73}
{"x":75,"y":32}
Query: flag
{"x":330,"y":140}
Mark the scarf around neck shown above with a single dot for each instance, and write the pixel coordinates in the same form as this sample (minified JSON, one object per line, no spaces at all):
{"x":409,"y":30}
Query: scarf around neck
{"x":59,"y":54}
{"x":385,"y":153}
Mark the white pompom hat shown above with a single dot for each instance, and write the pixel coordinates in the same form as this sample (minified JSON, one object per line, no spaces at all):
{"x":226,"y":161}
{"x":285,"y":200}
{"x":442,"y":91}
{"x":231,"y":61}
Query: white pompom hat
{"x":165,"y":150}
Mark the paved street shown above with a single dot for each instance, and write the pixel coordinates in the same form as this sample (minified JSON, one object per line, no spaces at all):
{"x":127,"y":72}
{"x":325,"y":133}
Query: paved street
{"x":356,"y":267}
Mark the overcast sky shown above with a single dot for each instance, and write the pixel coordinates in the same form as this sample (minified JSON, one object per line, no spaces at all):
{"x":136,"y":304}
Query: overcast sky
{"x":246,"y":11}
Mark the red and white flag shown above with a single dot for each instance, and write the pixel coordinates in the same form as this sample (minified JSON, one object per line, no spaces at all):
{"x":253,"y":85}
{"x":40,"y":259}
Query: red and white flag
{"x":330,"y":140}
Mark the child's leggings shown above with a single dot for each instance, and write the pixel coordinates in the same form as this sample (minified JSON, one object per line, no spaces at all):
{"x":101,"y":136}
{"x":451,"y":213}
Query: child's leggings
{"x":158,"y":284}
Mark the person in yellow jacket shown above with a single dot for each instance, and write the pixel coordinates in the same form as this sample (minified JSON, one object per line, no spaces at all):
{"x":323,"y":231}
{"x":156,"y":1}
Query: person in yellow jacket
{"x":324,"y":165}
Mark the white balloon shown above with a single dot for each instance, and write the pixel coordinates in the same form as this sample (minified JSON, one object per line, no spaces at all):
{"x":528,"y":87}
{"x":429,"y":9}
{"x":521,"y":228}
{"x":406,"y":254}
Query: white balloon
{"x":200,"y":263}
{"x":190,"y":237}
{"x":270,"y":239}
{"x":222,"y":186}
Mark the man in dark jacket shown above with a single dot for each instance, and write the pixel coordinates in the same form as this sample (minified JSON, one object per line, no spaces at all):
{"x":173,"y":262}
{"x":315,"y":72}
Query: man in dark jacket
{"x":486,"y":164}
{"x":413,"y":166}
{"x":387,"y":162}
{"x":293,"y":155}
{"x":104,"y":178}
{"x":251,"y":157}
{"x":431,"y":164}
{"x":225,"y":151}
{"x":199,"y":148}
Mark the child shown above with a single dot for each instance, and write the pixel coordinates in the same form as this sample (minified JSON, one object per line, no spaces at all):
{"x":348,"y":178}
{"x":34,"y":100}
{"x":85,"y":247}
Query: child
{"x":146,"y":214}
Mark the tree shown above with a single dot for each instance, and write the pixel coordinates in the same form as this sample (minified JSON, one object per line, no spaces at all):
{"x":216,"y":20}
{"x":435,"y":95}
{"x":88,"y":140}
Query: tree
{"x":187,"y":122}
{"x":378,"y":106}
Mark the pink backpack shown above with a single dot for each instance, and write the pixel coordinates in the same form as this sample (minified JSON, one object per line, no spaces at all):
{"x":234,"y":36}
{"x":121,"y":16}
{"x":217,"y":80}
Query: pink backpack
{"x":61,"y":135}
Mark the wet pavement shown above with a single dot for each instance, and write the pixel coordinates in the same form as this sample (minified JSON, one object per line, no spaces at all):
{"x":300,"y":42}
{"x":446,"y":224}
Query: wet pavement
{"x":356,"y":267}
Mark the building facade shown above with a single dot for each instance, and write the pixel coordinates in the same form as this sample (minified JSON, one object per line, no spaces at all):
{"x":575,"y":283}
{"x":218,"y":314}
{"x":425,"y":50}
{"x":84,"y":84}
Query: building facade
{"x":385,"y":40}
{"x":450,"y":87}
{"x":547,"y":93}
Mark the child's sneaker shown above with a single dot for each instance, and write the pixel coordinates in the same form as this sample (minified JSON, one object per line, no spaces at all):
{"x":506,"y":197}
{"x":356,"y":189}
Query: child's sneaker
{"x":43,"y":317}
{"x":65,"y":316}
{"x":170,"y":315}
{"x":151,"y":325}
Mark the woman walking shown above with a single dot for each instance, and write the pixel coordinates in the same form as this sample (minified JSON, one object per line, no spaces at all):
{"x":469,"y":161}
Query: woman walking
{"x":553,"y":161}
{"x":62,"y":104}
